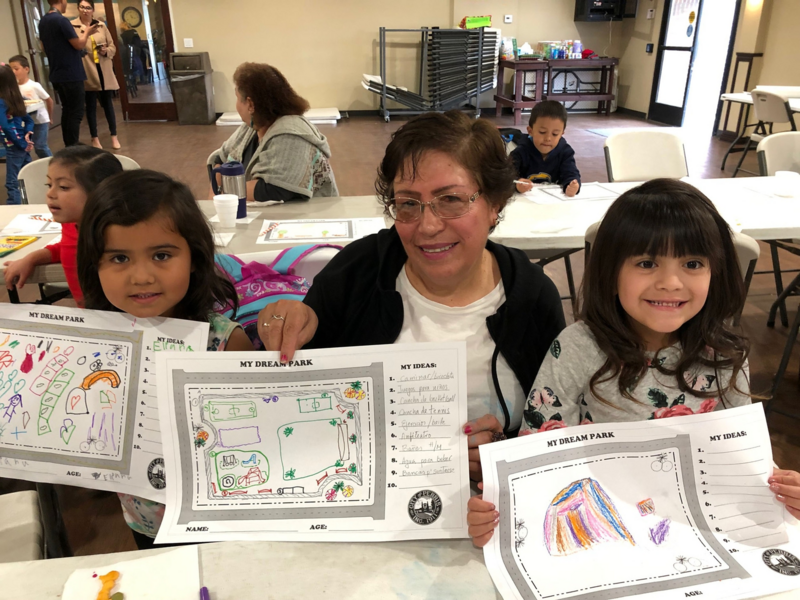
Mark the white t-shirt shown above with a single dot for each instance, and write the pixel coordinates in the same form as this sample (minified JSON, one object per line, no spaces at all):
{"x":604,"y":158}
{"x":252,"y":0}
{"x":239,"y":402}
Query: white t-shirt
{"x":34,"y":91}
{"x":428,"y":321}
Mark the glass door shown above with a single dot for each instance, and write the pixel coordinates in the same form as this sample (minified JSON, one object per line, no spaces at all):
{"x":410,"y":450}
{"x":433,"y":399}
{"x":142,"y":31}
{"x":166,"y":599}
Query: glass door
{"x":676,"y":50}
{"x":33,"y":11}
{"x":143,"y":31}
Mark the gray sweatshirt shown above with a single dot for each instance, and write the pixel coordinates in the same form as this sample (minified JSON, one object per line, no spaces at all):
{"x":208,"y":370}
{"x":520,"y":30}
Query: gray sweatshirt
{"x":293,"y":155}
{"x":561,"y":396}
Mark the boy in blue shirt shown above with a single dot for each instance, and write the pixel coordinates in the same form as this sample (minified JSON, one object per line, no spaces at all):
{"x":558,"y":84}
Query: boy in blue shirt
{"x":545,"y":156}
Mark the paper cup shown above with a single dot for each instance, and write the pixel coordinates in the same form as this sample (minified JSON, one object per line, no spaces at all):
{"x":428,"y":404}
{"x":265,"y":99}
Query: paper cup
{"x":226,"y":205}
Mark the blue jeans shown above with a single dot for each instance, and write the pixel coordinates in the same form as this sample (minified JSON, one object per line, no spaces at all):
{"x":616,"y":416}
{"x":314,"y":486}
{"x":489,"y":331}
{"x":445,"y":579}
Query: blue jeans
{"x":15,"y":160}
{"x":40,"y":133}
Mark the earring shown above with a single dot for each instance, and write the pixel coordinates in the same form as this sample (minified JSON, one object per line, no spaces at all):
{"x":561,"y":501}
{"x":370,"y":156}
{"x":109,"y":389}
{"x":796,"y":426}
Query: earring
{"x":251,"y":122}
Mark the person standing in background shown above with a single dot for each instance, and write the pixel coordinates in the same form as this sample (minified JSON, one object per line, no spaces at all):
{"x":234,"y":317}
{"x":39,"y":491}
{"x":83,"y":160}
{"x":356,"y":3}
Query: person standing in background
{"x":100,"y":79}
{"x":64,"y":47}
{"x":32,"y":91}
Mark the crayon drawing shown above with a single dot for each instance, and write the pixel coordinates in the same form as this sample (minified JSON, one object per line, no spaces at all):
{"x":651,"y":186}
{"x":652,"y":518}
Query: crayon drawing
{"x":276,"y":442}
{"x":581,"y":516}
{"x":74,"y":387}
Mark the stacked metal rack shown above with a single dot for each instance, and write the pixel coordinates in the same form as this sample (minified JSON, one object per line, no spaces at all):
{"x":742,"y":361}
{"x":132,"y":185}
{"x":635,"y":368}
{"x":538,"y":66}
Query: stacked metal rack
{"x":459,"y":65}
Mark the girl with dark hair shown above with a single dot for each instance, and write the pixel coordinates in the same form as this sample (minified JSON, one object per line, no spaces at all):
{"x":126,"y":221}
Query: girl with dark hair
{"x":147,"y":250}
{"x":284,"y":155}
{"x":655,"y":339}
{"x":73,"y":174}
{"x":16,"y":130}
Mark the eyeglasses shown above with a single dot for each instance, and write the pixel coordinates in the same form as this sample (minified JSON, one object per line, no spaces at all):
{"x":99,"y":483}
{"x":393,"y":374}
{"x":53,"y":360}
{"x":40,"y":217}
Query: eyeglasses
{"x":446,"y":206}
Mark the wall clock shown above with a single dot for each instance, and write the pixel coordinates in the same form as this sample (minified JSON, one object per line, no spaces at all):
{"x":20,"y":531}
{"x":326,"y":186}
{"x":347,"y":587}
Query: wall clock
{"x":132,"y":16}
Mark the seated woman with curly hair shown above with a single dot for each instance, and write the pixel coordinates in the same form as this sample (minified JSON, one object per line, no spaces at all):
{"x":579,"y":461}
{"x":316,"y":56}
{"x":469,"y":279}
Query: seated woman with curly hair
{"x":285,"y":157}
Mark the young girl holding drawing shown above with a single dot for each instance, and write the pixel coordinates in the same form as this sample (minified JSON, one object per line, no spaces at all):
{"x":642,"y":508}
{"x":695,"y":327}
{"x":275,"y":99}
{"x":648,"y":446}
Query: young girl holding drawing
{"x":654,"y":341}
{"x":16,"y":131}
{"x":147,"y":250}
{"x":73,"y":174}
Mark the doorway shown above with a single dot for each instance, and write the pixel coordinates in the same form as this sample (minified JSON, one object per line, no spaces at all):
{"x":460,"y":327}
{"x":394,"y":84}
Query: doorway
{"x":692,"y":63}
{"x":143,"y":29}
{"x":143,"y":33}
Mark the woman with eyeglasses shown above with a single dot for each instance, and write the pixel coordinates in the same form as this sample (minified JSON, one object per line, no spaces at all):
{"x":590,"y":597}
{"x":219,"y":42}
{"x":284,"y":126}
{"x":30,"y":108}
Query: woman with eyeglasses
{"x":435,"y":276}
{"x":101,"y":83}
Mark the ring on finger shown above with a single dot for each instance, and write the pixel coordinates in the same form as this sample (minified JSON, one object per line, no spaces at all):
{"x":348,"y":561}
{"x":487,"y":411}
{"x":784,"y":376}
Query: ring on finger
{"x":265,"y":324}
{"x":279,"y":317}
{"x":498,"y":436}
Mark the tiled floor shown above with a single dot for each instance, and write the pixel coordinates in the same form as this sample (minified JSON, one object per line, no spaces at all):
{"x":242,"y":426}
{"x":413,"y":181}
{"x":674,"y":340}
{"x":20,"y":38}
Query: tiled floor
{"x":94,"y":520}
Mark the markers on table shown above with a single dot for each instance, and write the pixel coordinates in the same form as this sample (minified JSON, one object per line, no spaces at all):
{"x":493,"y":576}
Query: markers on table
{"x":204,"y":593}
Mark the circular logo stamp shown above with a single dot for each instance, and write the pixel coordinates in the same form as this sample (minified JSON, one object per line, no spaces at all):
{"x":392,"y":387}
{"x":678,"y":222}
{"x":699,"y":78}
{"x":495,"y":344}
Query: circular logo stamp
{"x":424,"y":507}
{"x":782,"y":562}
{"x":155,"y":473}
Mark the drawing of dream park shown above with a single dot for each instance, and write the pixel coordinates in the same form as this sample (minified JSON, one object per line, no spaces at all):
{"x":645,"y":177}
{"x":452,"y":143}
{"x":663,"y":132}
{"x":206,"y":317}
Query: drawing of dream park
{"x":285,"y":441}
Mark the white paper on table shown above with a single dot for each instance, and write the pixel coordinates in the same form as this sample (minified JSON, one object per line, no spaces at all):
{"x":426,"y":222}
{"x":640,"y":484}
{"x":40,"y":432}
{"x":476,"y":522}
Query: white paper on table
{"x":223,"y":239}
{"x":251,"y":216}
{"x":78,"y":398}
{"x":346,"y":444}
{"x":318,"y":230}
{"x":589,"y":191}
{"x":537,"y":196}
{"x":32,"y":224}
{"x":702,"y":478}
{"x":173,"y":575}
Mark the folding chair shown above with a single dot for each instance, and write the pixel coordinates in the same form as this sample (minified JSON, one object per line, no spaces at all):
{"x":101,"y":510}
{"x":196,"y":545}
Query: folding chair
{"x":645,"y":154}
{"x":769,"y":108}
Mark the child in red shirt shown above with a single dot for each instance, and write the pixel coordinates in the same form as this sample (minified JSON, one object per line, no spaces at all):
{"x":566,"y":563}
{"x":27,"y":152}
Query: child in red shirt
{"x":73,"y":173}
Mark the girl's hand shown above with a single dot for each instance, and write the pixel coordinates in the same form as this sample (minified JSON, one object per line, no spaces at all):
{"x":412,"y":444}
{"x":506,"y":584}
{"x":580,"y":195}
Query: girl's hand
{"x":786,"y":485}
{"x":480,"y":431}
{"x":524,"y":185}
{"x":572,"y":189}
{"x":286,"y":325}
{"x":17,"y":273}
{"x":482,"y":519}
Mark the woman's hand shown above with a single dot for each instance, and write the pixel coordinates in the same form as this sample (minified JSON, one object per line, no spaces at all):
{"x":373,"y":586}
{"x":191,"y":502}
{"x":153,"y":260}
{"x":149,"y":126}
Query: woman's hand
{"x":524,"y":185}
{"x":286,"y":325}
{"x":572,"y":189}
{"x":482,"y":519}
{"x":480,"y":431}
{"x":17,"y":272}
{"x":786,"y":485}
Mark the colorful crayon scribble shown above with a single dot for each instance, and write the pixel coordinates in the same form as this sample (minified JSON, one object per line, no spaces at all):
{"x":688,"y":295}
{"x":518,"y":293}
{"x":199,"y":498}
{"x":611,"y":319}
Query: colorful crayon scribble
{"x":580,"y":516}
{"x":646,"y":507}
{"x":659,"y":533}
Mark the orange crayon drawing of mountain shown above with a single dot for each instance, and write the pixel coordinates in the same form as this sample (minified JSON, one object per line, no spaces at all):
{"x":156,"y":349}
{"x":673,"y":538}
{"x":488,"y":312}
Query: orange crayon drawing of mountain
{"x":581,"y":516}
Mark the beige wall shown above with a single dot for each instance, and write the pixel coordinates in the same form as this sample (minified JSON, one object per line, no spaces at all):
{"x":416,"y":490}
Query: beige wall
{"x":324,"y":47}
{"x":636,"y":67}
{"x":780,"y":65}
{"x":9,"y":45}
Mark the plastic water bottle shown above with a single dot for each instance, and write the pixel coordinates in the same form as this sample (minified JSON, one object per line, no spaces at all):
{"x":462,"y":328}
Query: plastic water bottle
{"x":577,"y":47}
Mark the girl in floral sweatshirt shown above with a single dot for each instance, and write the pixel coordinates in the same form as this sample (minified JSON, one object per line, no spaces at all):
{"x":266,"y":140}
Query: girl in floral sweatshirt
{"x":660,"y":292}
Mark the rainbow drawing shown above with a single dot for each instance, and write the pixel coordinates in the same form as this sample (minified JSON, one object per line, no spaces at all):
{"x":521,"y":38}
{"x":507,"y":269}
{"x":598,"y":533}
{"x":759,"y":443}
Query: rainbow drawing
{"x":580,"y":516}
